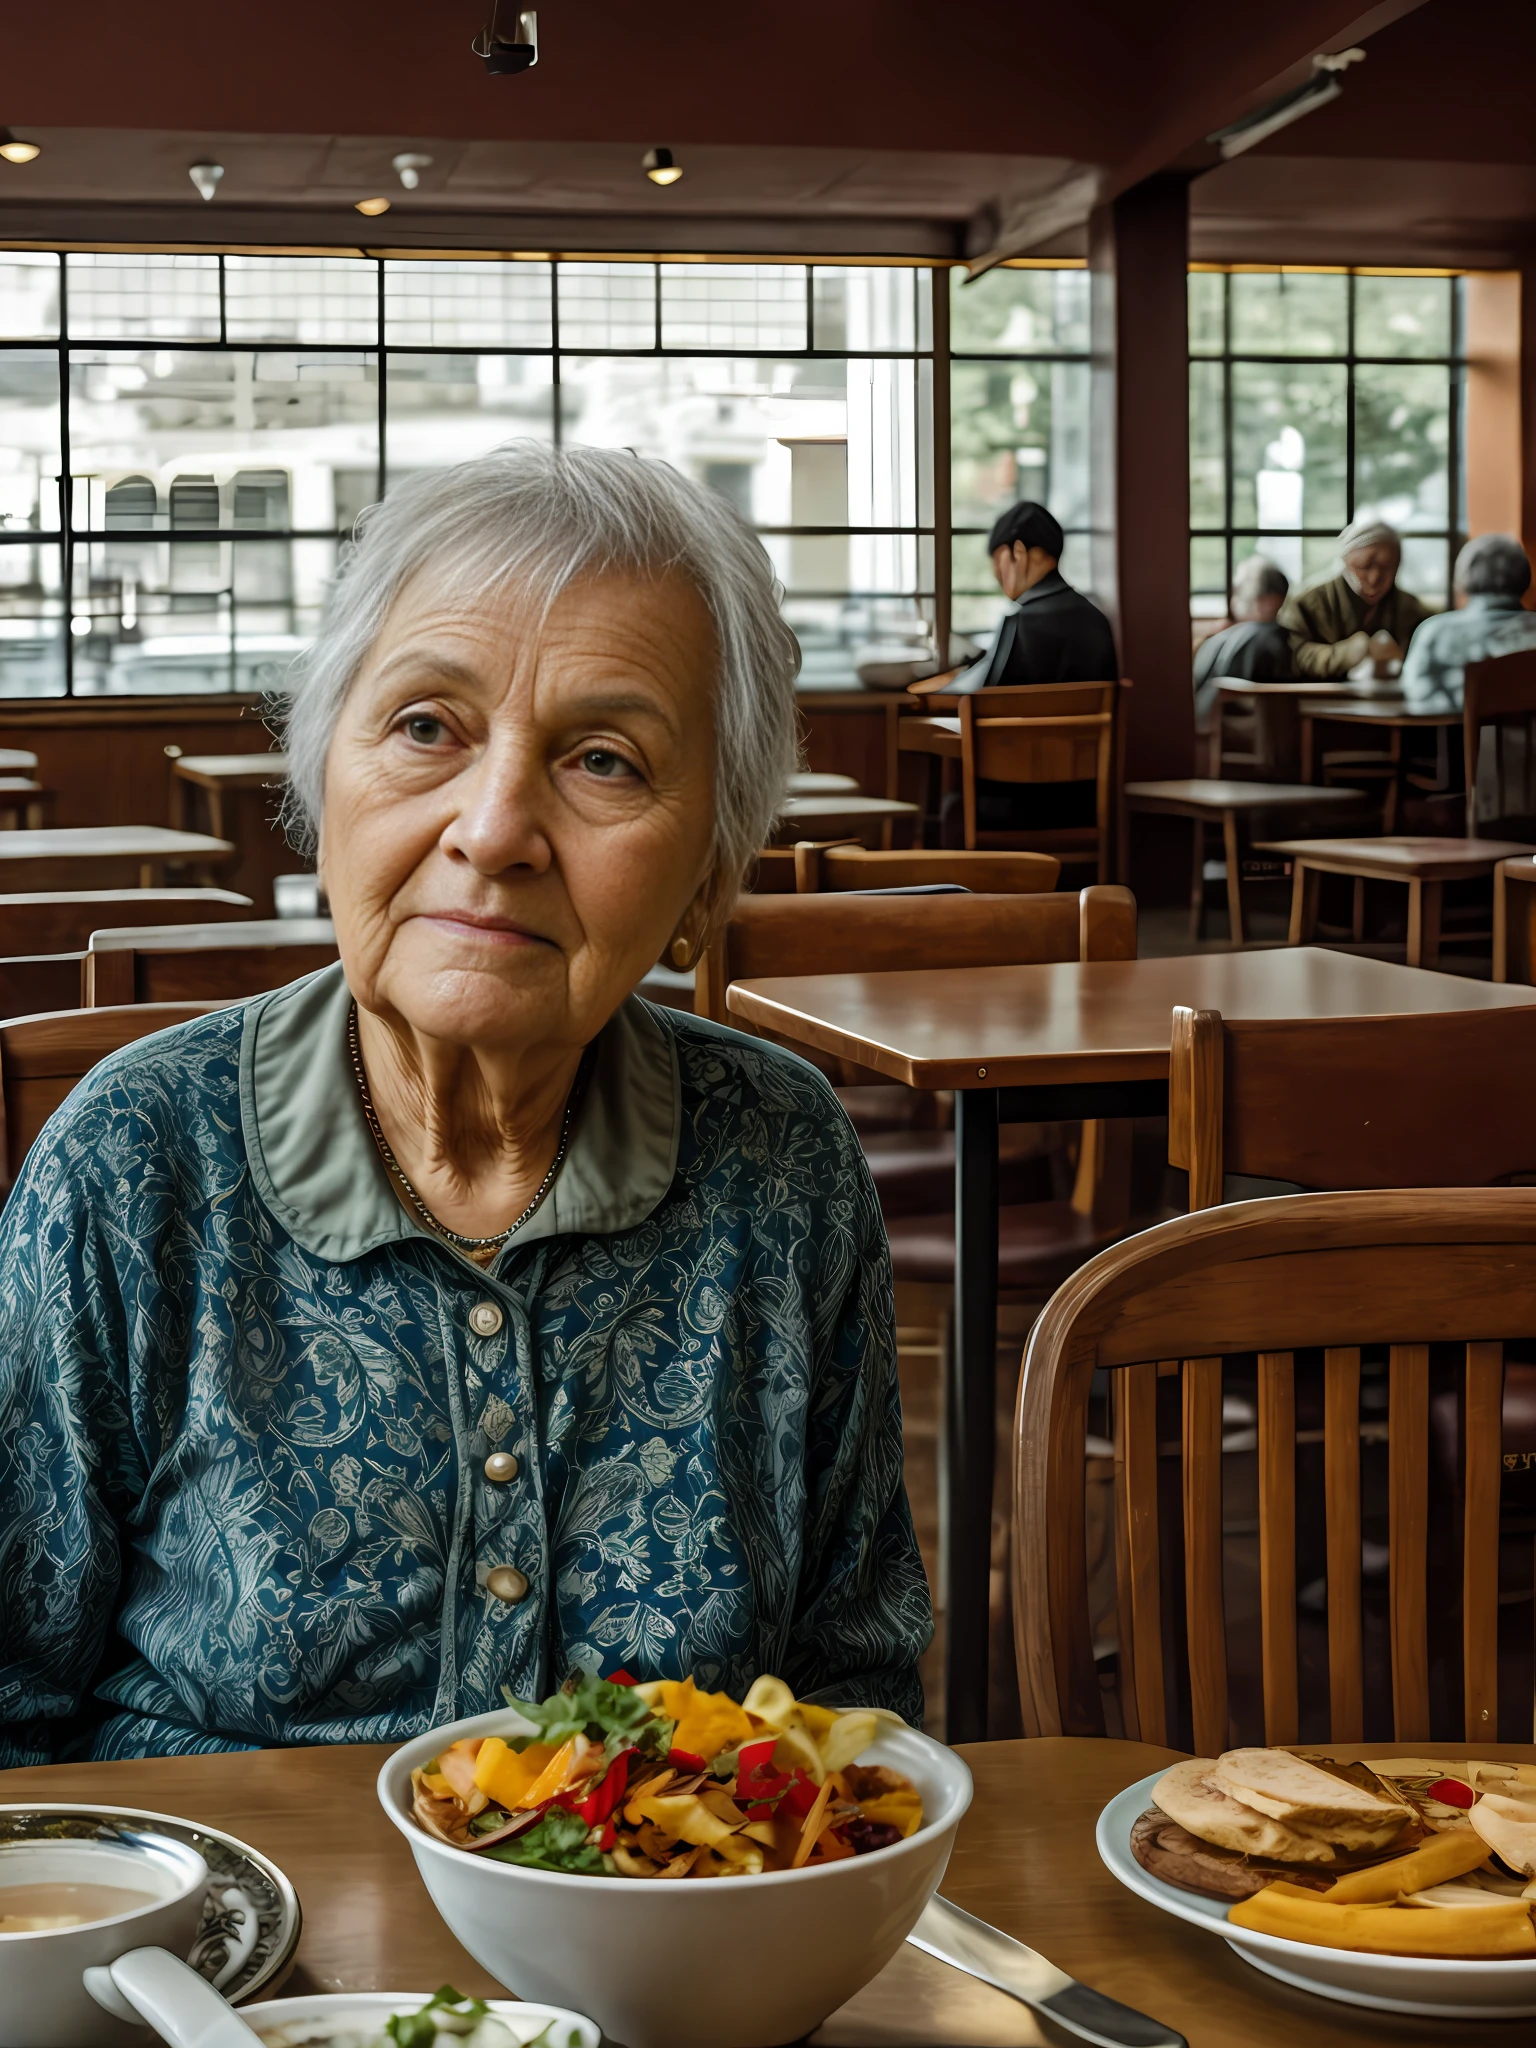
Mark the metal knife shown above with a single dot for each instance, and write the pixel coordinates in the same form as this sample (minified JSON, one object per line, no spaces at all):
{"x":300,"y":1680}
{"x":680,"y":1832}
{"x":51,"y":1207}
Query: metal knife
{"x":985,"y":1952}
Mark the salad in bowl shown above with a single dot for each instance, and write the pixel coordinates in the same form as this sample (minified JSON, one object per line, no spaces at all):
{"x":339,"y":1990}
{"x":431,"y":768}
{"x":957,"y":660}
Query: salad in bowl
{"x":612,"y":1778}
{"x":551,"y":1835}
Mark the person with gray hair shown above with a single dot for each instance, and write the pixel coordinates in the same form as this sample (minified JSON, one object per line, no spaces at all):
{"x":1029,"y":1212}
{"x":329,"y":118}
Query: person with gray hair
{"x":1492,"y":573}
{"x":453,"y":1319}
{"x":1251,"y":647}
{"x":1361,"y":613}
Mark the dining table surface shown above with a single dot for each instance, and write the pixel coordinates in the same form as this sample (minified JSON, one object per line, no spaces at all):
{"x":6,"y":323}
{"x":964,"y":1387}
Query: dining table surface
{"x":1046,"y":1043}
{"x":1024,"y":1859}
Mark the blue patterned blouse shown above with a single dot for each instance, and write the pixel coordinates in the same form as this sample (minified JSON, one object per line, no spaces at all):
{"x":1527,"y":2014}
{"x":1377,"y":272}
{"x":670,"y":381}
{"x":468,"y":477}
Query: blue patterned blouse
{"x":246,"y":1403}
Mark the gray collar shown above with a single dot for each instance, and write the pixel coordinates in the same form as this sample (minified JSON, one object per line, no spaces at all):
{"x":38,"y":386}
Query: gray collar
{"x":318,"y":1170}
{"x":1494,"y":601}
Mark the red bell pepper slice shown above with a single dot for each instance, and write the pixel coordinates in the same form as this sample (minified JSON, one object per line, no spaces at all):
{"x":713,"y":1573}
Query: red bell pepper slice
{"x":801,"y":1795}
{"x":756,"y":1778}
{"x":684,"y":1760}
{"x":609,"y":1835}
{"x":1452,"y":1792}
{"x":621,"y":1677}
{"x":608,"y":1791}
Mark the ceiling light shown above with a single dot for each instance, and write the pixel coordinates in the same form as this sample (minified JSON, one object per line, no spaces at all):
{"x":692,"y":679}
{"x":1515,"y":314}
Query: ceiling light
{"x":206,"y":178}
{"x":372,"y":207}
{"x":410,"y":164}
{"x":15,"y":151}
{"x":509,"y":42}
{"x":660,"y":168}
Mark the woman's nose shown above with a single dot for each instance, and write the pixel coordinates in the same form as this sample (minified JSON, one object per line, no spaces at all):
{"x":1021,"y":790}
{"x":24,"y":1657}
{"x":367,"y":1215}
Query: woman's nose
{"x":498,"y":821}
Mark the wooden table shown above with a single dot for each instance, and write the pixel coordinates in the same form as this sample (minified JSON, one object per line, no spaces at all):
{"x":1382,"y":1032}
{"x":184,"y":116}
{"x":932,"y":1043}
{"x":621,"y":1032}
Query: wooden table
{"x":806,"y":782}
{"x":103,"y":856}
{"x":1043,"y":1044}
{"x":17,"y":761}
{"x":1514,"y":919}
{"x":1025,"y":1860}
{"x":835,"y":817}
{"x":1425,"y":865}
{"x":920,"y":735}
{"x":1387,"y":713}
{"x":235,"y":797}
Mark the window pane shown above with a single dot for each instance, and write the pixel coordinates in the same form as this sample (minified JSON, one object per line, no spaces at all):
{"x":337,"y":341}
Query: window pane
{"x":301,"y":298}
{"x":162,"y":437}
{"x":1289,"y":313}
{"x":1402,"y":430}
{"x":194,"y":615}
{"x":733,"y":305}
{"x":31,"y":620}
{"x":29,"y":295}
{"x":1206,"y":292}
{"x":1305,"y":560}
{"x":1011,"y":311}
{"x":743,"y":426}
{"x":1208,"y":579}
{"x":869,"y":306}
{"x":1403,"y":316}
{"x":607,"y":305}
{"x":1207,"y":445}
{"x":1425,"y":570}
{"x":29,"y":439}
{"x":835,"y":633}
{"x":1288,"y":445}
{"x":1019,"y":430}
{"x":175,"y":298}
{"x":466,"y":305}
{"x":446,"y":409}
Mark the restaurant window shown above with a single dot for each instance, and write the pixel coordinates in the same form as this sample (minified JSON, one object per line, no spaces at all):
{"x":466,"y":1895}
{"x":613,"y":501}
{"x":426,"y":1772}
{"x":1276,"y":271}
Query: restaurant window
{"x":223,"y":420}
{"x":1316,"y":396}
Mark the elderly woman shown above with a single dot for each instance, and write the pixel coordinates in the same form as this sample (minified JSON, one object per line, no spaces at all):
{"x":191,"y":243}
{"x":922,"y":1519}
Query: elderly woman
{"x":1362,"y":612}
{"x":453,"y":1318}
{"x":1492,"y":575}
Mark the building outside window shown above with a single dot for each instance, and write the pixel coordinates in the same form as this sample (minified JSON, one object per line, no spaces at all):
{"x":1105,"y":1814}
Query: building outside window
{"x":1316,"y":396}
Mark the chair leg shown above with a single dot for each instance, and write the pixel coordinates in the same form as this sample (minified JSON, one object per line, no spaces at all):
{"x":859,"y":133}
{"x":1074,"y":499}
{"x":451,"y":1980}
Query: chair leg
{"x":1357,"y":911}
{"x":1429,"y":924}
{"x":1234,"y":876}
{"x":1197,"y":884}
{"x":1415,"y":924}
{"x":1305,"y":884}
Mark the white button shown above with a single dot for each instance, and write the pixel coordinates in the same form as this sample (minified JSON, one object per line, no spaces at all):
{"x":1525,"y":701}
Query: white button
{"x":485,"y":1319}
{"x":507,"y":1583}
{"x":500,"y":1468}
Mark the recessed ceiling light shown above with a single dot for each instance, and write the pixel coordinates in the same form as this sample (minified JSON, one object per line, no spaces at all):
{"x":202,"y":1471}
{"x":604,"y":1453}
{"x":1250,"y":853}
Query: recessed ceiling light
{"x":660,"y":167}
{"x":409,"y":165}
{"x":372,"y":206}
{"x":206,"y":178}
{"x":15,"y":151}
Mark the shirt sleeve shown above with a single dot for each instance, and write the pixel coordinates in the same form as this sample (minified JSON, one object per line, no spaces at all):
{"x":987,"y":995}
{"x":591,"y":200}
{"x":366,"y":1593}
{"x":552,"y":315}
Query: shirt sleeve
{"x":1424,"y":677}
{"x":69,"y":1467}
{"x":864,"y":1616}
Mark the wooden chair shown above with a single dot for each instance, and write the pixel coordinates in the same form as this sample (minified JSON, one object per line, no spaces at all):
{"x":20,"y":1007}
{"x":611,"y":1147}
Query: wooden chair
{"x":1042,"y":733}
{"x":25,"y":805}
{"x":815,"y":866}
{"x":207,"y":962}
{"x":39,"y":981}
{"x":1308,"y":1284}
{"x":1498,"y":692}
{"x":1440,"y":1100}
{"x":42,"y":1058}
{"x":61,"y":920}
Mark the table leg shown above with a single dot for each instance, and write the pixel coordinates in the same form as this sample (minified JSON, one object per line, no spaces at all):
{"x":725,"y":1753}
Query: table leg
{"x":1308,"y":729}
{"x":1429,"y":924}
{"x":1234,"y":875}
{"x":971,"y":1436}
{"x":1500,"y":925}
{"x":1417,"y":909}
{"x":1197,"y":884}
{"x":1305,"y":885}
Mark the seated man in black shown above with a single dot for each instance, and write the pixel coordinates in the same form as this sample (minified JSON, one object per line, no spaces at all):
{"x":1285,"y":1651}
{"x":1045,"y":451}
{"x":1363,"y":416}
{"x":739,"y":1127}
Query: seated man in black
{"x":1251,"y":647}
{"x":1050,"y":634}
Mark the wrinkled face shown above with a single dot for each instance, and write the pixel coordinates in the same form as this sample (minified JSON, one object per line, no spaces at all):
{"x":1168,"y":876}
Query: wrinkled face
{"x":1373,"y":571}
{"x":519,"y":810}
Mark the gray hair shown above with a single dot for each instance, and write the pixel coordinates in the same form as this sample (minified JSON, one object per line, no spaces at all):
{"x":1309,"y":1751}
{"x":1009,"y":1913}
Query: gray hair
{"x":1258,"y":576}
{"x":1493,"y":565}
{"x":1369,"y":532}
{"x":539,"y":518}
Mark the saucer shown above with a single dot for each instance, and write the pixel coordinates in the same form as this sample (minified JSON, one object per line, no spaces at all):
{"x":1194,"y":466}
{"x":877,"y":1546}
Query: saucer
{"x":251,"y":1917}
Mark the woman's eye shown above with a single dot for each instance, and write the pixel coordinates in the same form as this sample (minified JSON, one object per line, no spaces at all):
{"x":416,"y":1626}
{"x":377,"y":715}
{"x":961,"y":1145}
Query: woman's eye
{"x":603,"y":761}
{"x":425,"y":731}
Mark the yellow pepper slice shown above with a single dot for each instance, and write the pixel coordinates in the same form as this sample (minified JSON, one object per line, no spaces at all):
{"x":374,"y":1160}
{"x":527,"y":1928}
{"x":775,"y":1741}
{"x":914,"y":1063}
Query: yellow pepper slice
{"x":707,"y":1722}
{"x":507,"y":1775}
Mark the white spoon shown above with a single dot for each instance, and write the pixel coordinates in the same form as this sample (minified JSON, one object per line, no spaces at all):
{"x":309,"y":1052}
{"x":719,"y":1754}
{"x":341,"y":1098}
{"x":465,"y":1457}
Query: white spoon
{"x":150,"y":1984}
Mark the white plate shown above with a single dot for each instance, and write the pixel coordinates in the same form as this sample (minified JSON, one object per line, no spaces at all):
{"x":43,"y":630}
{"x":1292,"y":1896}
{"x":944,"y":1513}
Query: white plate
{"x":366,"y":2012}
{"x":251,"y":1918}
{"x":1407,"y":1984}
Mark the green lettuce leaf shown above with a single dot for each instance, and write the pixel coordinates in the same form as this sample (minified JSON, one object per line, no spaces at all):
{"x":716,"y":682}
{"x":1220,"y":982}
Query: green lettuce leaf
{"x":419,"y":2029}
{"x":590,"y":1706}
{"x":558,"y":1841}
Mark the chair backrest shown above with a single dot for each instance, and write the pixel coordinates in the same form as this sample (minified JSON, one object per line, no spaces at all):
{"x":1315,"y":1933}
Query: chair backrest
{"x":1438,"y":1100}
{"x":60,"y":921}
{"x":1030,"y":733}
{"x":840,"y":868}
{"x":203,"y":963}
{"x":1503,"y":687}
{"x":770,"y":935}
{"x":39,"y":981}
{"x":42,"y":1058}
{"x":1325,"y":1303}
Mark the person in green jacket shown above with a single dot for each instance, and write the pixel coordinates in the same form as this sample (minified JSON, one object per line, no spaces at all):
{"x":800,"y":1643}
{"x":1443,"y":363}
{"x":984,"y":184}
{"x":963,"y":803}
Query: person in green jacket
{"x":1362,"y":611}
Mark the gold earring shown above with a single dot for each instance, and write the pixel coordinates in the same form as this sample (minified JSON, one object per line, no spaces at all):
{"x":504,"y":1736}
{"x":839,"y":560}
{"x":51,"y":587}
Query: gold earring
{"x":682,"y":953}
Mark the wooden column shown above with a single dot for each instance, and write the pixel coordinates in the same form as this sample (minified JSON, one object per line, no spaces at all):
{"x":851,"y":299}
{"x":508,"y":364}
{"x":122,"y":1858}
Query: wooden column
{"x":1138,"y":253}
{"x":1493,"y":445}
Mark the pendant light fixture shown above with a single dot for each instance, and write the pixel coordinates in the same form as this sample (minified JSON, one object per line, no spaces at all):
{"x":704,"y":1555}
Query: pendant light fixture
{"x":206,"y":178}
{"x":17,"y":151}
{"x":661,"y":167}
{"x":372,"y":207}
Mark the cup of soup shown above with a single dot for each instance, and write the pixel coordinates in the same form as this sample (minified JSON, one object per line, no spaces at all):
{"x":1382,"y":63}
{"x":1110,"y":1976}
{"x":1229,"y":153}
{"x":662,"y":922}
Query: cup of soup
{"x":70,"y":1906}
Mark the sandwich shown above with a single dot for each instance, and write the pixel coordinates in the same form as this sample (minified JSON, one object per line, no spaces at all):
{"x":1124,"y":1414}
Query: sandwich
{"x":1230,"y":1825}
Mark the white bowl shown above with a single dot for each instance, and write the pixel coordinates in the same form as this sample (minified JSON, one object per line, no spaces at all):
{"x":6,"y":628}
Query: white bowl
{"x":1423,"y":1985}
{"x":728,"y":1962}
{"x":366,"y":2012}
